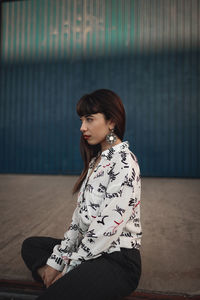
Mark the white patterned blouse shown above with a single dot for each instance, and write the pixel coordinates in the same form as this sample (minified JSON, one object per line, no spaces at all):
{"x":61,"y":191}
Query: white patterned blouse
{"x":107,"y":216}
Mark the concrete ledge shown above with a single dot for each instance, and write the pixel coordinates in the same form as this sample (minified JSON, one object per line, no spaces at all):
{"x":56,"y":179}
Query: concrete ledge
{"x":29,"y":290}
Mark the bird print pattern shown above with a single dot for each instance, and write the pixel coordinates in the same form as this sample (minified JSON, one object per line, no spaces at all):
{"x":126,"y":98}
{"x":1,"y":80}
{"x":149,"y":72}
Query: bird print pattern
{"x":107,"y":216}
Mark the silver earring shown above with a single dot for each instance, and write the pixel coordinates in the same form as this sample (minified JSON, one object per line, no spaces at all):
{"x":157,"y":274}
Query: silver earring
{"x":111,"y":137}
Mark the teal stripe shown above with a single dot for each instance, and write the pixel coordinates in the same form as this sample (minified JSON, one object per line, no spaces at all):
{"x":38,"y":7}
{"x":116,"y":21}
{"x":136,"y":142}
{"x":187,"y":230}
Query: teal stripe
{"x":37,"y":29}
{"x":108,"y":15}
{"x":19,"y":29}
{"x":41,"y":30}
{"x":54,"y":31}
{"x":127,"y":25}
{"x":48,"y":30}
{"x":60,"y":30}
{"x":113,"y":26}
{"x":26,"y":31}
{"x":9,"y":49}
{"x":120,"y":26}
{"x":29,"y":38}
{"x":71,"y":41}
{"x":3,"y":30}
{"x":31,"y":20}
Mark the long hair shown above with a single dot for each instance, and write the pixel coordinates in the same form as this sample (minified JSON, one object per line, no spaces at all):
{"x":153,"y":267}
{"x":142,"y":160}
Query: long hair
{"x":100,"y":101}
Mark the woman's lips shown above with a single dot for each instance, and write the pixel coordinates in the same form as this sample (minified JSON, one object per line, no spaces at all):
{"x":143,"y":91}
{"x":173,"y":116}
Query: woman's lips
{"x":86,"y":137}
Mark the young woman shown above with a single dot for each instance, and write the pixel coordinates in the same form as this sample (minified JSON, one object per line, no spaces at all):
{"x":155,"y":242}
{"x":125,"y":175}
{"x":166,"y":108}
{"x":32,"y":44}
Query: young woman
{"x":99,"y":256}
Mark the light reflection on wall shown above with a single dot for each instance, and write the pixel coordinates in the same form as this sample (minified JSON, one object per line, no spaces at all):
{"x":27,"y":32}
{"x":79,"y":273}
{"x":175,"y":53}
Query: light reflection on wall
{"x":50,"y":29}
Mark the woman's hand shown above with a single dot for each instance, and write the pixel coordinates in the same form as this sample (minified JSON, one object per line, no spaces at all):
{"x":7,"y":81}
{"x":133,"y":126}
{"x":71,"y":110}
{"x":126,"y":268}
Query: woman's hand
{"x":57,"y":277}
{"x":49,"y":275}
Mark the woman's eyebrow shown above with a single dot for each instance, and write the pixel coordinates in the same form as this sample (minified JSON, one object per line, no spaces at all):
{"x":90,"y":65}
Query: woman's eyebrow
{"x":88,"y":115}
{"x":85,"y":116}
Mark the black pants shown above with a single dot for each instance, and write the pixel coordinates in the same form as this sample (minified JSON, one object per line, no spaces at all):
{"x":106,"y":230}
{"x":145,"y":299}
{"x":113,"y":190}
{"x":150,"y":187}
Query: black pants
{"x":110,"y":276}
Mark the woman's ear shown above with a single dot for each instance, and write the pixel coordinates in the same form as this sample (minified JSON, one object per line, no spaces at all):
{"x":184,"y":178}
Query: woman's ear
{"x":111,"y":124}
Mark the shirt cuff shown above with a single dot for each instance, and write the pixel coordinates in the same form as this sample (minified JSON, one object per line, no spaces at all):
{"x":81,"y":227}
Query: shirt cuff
{"x":56,"y":262}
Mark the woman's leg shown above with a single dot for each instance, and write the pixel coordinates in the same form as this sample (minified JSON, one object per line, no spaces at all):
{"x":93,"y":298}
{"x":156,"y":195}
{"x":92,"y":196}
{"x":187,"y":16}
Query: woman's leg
{"x":109,"y":277}
{"x":35,"y":252}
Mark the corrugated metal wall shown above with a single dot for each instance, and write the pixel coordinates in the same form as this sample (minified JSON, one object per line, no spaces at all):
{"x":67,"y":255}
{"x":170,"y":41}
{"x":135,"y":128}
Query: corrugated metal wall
{"x":54,"y":51}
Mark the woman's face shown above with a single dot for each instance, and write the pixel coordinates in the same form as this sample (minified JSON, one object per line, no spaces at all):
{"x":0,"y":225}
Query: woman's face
{"x":95,"y":128}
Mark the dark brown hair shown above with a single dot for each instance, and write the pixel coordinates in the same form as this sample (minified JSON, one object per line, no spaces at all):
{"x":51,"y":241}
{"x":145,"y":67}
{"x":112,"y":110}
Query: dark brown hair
{"x":100,"y":101}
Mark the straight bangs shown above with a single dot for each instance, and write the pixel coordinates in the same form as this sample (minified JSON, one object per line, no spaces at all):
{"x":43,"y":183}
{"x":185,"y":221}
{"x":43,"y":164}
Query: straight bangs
{"x":87,"y":106}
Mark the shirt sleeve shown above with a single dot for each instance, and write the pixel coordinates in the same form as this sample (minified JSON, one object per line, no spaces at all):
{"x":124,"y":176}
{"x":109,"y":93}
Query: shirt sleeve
{"x":115,"y":211}
{"x":58,"y":260}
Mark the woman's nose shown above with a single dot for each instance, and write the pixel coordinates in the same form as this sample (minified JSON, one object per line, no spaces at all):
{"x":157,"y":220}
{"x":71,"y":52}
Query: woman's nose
{"x":83,"y":127}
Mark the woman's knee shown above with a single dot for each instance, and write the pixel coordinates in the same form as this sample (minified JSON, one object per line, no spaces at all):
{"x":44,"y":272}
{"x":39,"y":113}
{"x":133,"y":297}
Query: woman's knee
{"x":27,"y":246}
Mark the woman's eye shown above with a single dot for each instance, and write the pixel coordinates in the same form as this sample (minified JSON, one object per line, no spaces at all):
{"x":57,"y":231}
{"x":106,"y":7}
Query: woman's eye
{"x":89,"y":119}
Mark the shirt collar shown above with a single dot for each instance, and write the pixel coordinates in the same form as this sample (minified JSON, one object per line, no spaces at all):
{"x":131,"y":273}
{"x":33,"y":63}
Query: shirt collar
{"x":117,"y":148}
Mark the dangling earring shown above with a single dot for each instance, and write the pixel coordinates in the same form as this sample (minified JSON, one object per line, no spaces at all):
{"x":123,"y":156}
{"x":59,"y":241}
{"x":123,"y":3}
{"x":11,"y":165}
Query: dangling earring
{"x":111,"y":137}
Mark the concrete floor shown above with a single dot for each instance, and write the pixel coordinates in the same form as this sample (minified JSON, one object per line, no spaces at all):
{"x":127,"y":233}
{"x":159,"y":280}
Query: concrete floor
{"x":42,"y":205}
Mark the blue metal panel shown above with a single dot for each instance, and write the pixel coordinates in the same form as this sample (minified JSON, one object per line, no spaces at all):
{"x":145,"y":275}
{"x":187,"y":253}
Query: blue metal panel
{"x":55,"y":51}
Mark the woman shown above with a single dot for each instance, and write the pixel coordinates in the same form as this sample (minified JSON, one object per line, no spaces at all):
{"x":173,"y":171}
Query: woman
{"x":99,"y":256}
